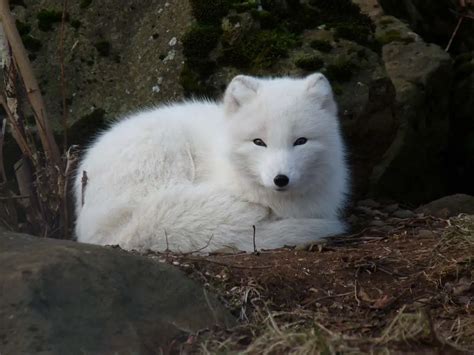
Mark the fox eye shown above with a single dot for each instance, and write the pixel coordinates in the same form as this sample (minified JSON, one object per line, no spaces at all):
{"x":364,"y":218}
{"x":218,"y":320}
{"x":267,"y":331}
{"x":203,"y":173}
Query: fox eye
{"x":300,"y":141}
{"x":259,"y":142}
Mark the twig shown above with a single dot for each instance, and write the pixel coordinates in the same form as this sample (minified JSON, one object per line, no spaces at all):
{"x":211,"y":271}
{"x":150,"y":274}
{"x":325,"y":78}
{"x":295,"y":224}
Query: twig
{"x":71,"y":160}
{"x":254,"y":243}
{"x":14,"y":197}
{"x":31,"y":85}
{"x":83,"y":186}
{"x":63,"y":75}
{"x":227,"y":264}
{"x":3,"y":174}
{"x":461,"y":18}
{"x":200,"y":249}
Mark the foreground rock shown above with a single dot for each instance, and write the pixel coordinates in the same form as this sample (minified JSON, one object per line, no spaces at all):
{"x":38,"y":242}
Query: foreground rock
{"x":60,"y":297}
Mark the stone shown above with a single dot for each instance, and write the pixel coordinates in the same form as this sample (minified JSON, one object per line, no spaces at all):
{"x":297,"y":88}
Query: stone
{"x":401,"y":213}
{"x":449,"y":206}
{"x":62,"y":297}
{"x":368,"y":203}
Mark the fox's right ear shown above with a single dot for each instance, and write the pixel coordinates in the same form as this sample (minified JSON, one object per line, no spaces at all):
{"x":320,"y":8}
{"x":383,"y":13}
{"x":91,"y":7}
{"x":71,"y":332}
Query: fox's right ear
{"x":240,"y":90}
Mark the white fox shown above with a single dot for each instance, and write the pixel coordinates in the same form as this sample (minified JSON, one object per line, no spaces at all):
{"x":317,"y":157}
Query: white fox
{"x":199,"y":175}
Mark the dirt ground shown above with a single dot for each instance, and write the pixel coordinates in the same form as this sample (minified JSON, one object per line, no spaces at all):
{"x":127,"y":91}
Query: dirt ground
{"x":399,"y":285}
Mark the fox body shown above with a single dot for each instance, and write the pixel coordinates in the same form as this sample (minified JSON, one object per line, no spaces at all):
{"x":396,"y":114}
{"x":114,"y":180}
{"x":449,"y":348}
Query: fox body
{"x":199,"y":175}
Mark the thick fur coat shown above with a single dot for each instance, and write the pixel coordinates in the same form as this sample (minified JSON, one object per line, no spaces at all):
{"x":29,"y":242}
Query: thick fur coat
{"x":202,"y":174}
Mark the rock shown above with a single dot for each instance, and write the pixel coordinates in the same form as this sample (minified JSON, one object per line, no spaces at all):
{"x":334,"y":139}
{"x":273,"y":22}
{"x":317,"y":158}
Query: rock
{"x":411,"y":168}
{"x":368,"y":203}
{"x":62,"y":297}
{"x":391,"y":208}
{"x":434,"y":20}
{"x":114,"y":54}
{"x":377,"y":223}
{"x":403,"y":214}
{"x":449,"y":206}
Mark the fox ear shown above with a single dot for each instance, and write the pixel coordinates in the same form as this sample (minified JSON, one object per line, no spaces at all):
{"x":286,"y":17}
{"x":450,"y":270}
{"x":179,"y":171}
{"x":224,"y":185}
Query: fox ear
{"x":319,"y":88}
{"x":240,"y":90}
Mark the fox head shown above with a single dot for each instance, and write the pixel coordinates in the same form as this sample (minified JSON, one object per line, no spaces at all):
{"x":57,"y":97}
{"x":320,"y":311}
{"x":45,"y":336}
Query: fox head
{"x":284,"y":132}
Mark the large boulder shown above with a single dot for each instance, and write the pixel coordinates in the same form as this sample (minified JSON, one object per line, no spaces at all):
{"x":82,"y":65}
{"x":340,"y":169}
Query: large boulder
{"x":118,"y":56}
{"x":434,"y":20}
{"x":412,"y":167}
{"x":62,"y":297}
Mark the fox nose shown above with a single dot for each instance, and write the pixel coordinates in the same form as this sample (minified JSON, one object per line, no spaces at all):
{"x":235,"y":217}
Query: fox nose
{"x":281,"y":180}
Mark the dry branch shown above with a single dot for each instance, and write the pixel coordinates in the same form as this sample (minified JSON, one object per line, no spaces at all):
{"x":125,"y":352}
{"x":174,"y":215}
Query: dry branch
{"x":25,"y":69}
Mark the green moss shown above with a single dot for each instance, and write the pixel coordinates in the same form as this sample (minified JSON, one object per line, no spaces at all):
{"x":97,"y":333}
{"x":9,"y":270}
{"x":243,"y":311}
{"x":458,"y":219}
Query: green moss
{"x":23,"y":28}
{"x":386,"y":21}
{"x":321,"y":45}
{"x":76,"y":24}
{"x":265,"y":18}
{"x":194,"y":84}
{"x":358,"y":33}
{"x":85,"y":4}
{"x":393,"y":36}
{"x":199,"y":41}
{"x":309,"y":63}
{"x":103,"y":47}
{"x":258,"y":49}
{"x":210,"y":11}
{"x":340,"y":71}
{"x":32,"y":44}
{"x":47,"y":18}
{"x":242,"y":6}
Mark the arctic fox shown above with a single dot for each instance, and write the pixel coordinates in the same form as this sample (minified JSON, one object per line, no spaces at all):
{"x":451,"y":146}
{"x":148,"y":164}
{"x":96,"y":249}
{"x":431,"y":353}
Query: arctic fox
{"x":200,"y":175}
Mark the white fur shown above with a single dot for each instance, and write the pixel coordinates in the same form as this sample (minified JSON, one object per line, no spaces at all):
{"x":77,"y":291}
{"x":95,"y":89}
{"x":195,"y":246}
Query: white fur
{"x":189,"y":175}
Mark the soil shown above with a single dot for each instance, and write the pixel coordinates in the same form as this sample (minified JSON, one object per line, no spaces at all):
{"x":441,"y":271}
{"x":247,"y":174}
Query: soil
{"x":403,"y":285}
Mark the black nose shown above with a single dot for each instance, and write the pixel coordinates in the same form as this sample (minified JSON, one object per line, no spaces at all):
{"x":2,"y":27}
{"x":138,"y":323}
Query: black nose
{"x":281,"y":180}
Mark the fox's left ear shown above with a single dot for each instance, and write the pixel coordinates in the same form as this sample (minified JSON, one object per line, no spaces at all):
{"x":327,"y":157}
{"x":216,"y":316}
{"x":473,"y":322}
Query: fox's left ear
{"x":319,"y":88}
{"x":241,"y":89}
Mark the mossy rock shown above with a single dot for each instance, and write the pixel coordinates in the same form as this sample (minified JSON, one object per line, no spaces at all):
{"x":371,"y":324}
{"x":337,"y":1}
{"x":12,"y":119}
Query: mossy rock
{"x":260,"y":49}
{"x":321,"y":45}
{"x":210,"y":11}
{"x":340,"y":71}
{"x":199,"y":41}
{"x":103,"y":47}
{"x":47,"y":19}
{"x":309,"y":63}
{"x":394,"y":36}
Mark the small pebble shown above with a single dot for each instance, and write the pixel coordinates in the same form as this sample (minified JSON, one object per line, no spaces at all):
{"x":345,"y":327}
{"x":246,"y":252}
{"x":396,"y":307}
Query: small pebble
{"x":391,"y":208}
{"x":377,"y":223}
{"x":368,"y":203}
{"x":403,"y":214}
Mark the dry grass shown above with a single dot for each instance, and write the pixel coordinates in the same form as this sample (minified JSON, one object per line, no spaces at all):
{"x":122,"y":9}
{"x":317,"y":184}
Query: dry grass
{"x":424,"y":303}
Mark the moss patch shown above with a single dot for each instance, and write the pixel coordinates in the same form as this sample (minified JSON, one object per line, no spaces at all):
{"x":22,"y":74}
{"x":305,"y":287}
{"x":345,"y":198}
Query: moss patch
{"x":103,"y":47}
{"x":258,"y":50}
{"x":309,"y":62}
{"x":47,"y":19}
{"x":340,"y":71}
{"x":85,"y":4}
{"x":199,"y":41}
{"x":210,"y":11}
{"x":321,"y":45}
{"x":393,"y":36}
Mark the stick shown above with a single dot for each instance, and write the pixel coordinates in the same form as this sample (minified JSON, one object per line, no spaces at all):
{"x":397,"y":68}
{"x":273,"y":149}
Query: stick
{"x":63,"y":75}
{"x":29,"y":80}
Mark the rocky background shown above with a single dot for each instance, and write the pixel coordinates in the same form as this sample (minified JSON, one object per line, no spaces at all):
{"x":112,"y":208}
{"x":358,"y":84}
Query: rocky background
{"x":406,"y":107}
{"x":405,"y":103}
